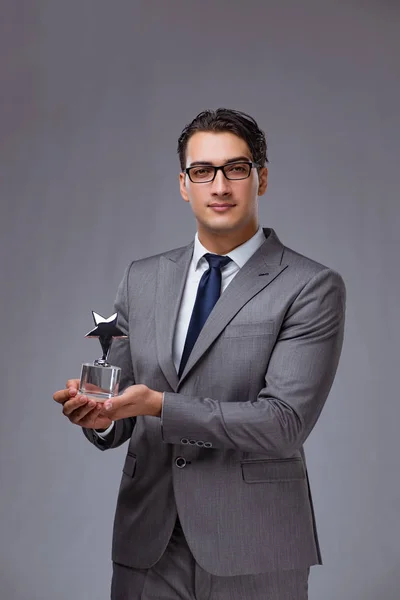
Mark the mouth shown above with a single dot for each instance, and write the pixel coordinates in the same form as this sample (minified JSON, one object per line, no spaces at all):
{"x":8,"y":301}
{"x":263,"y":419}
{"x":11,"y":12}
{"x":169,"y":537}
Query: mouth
{"x":221,"y":207}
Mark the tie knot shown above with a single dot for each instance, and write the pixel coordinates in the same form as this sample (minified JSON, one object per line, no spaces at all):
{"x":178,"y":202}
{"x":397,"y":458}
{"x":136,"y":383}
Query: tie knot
{"x":217,"y":261}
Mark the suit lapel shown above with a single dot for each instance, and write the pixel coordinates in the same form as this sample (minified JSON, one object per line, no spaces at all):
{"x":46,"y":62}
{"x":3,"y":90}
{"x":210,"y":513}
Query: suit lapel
{"x":170,"y":285}
{"x":259,"y":271}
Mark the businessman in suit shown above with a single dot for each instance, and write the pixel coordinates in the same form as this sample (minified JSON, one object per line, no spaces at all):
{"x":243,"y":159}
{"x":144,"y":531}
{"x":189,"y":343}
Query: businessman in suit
{"x":233,"y":345}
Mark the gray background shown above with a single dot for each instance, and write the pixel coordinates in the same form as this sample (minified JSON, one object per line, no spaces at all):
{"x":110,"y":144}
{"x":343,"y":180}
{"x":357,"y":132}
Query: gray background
{"x":94,"y":94}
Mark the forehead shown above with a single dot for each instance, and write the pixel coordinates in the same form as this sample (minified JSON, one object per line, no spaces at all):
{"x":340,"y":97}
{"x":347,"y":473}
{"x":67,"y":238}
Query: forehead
{"x":215,"y":147}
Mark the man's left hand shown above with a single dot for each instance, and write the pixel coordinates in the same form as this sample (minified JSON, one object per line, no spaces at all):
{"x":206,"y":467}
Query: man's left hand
{"x":135,"y":400}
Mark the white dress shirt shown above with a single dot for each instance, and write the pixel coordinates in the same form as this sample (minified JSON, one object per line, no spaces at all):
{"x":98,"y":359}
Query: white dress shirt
{"x":198,"y":265}
{"x":239,"y":255}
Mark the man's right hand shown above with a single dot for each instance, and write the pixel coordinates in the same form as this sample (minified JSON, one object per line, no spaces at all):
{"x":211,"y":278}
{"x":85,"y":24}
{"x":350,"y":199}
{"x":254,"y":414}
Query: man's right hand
{"x":80,"y":409}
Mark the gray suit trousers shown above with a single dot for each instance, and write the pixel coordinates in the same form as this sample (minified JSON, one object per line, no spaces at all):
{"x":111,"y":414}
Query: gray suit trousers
{"x":177,"y":576}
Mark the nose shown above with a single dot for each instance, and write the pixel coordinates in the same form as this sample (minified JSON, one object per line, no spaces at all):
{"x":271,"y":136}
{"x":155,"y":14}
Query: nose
{"x":220,"y":185}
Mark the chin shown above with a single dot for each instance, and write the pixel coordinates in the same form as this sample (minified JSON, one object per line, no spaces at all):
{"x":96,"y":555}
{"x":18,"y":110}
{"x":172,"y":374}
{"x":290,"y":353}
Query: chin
{"x":222,"y":227}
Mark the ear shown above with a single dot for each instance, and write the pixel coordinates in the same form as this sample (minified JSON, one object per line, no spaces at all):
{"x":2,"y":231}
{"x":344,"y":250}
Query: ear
{"x":263,"y":181}
{"x":182,"y":187}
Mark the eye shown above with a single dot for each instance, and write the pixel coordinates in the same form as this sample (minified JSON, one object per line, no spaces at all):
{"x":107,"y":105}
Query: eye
{"x":200,"y":172}
{"x":238,"y":168}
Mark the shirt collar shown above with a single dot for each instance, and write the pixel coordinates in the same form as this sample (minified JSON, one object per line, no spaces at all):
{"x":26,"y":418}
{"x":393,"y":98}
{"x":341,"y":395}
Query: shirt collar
{"x":240,"y":255}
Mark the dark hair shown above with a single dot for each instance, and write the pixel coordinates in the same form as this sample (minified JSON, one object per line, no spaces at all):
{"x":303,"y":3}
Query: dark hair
{"x":225,"y":119}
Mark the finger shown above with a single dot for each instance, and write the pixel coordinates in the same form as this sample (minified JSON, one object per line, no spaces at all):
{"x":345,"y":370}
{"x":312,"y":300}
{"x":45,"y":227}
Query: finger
{"x":73,"y":404}
{"x":85,"y":415}
{"x":73,"y":384}
{"x":62,"y":396}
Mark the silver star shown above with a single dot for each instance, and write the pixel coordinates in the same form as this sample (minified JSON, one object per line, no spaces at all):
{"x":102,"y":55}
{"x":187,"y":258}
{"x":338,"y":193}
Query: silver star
{"x":106,"y":330}
{"x":105,"y":327}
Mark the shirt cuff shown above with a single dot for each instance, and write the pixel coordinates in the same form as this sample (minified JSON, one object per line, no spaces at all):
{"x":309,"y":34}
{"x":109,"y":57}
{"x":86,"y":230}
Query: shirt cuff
{"x":104,"y":434}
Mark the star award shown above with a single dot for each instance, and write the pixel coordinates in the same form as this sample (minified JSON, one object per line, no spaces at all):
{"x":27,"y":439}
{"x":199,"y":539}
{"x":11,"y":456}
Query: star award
{"x":99,"y":379}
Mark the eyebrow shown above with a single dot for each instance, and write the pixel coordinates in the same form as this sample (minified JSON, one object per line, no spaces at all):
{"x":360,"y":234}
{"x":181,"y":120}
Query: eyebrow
{"x":227,"y":162}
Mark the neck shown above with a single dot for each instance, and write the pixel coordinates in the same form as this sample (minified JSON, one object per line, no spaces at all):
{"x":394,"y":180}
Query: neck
{"x":222,"y":242}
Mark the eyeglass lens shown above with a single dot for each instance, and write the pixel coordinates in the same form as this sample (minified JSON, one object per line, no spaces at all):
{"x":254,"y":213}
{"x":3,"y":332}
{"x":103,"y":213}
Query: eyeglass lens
{"x":204,"y":173}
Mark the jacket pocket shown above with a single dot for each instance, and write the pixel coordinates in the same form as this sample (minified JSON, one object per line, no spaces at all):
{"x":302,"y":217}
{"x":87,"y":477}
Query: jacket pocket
{"x":129,"y":467}
{"x":249,"y":329}
{"x":273,"y":470}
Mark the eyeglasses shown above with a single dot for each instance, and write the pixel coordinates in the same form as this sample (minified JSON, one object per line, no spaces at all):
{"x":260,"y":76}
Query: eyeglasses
{"x":232,"y":171}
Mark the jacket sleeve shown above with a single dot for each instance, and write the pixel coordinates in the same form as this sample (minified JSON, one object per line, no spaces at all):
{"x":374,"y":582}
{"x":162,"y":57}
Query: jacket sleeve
{"x":120,"y":356}
{"x":299,"y":377}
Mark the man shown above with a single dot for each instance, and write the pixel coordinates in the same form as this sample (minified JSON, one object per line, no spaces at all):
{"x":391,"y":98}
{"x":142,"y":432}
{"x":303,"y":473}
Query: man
{"x":234,"y":341}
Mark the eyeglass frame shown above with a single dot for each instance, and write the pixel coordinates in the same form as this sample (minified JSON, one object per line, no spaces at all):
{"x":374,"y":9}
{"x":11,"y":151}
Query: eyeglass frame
{"x":222,"y":168}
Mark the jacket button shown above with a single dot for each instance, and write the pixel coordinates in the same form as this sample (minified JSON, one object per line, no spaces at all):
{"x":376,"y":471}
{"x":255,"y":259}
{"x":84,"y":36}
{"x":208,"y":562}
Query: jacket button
{"x":180,"y":462}
{"x":207,"y":445}
{"x":200,"y":444}
{"x":184,"y":441}
{"x":192,"y":442}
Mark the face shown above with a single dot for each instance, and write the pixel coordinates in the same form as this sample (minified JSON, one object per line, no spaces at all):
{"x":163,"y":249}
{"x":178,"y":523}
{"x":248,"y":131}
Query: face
{"x":223,"y":208}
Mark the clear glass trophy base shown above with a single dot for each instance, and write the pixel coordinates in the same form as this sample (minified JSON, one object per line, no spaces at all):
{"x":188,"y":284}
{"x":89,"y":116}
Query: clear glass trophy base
{"x":99,"y":382}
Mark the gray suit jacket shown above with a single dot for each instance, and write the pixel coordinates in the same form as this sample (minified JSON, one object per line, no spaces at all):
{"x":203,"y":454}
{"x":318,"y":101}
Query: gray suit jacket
{"x":252,"y":390}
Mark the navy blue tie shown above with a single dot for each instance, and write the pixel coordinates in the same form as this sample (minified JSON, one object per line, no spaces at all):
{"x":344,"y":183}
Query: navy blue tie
{"x":208,"y":292}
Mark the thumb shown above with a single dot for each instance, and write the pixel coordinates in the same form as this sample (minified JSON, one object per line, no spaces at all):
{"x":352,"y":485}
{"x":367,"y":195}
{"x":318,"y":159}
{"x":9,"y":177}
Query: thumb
{"x":119,"y":401}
